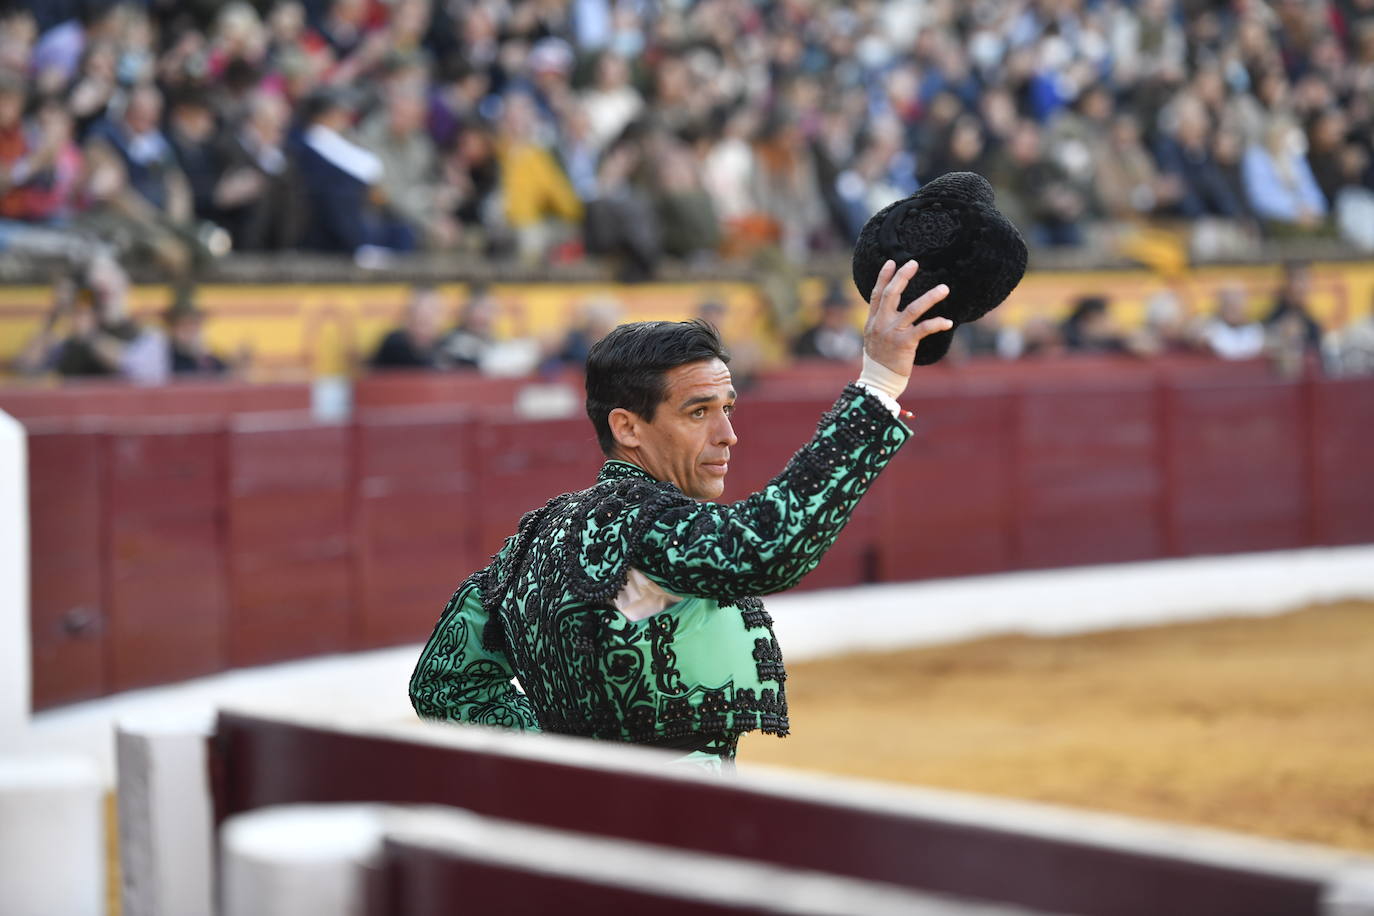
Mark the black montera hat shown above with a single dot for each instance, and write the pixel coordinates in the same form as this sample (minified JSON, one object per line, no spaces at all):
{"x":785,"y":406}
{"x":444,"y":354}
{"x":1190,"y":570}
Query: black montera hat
{"x":952,"y":228}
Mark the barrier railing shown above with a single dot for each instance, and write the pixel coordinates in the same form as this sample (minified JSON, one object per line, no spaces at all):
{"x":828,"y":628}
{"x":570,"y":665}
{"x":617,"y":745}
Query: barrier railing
{"x":167,"y":548}
{"x":992,"y":852}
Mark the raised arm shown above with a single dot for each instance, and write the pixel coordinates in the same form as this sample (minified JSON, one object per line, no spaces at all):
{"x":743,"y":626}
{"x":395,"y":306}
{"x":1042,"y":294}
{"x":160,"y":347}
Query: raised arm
{"x":459,"y":679}
{"x":769,"y":541}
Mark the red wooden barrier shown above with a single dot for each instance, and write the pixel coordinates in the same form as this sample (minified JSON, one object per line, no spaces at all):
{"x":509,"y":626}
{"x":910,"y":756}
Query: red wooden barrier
{"x":523,"y":464}
{"x":945,"y":501}
{"x":1235,"y":455}
{"x":1342,"y":435}
{"x":1086,"y":471}
{"x":66,"y":544}
{"x":290,"y":540}
{"x":261,"y":762}
{"x":164,"y":549}
{"x":183,"y":398}
{"x":165,"y":554}
{"x":417,"y":518}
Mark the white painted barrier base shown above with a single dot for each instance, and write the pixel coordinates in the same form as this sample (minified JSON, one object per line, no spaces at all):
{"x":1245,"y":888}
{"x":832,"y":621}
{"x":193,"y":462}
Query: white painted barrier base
{"x":166,"y":814}
{"x":299,"y":859}
{"x":52,"y":837}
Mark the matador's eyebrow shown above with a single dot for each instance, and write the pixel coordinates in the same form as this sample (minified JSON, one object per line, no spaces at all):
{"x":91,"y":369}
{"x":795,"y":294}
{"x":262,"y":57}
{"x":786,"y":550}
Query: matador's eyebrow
{"x":706,"y":399}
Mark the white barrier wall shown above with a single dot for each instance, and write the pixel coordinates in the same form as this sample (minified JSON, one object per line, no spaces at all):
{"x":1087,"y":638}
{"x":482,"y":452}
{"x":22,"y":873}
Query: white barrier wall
{"x":52,"y":836}
{"x":14,"y":583}
{"x":166,"y":814}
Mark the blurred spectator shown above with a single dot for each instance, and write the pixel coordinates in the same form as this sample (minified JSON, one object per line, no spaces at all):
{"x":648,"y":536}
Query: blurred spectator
{"x":1233,"y":334}
{"x":1041,"y":338}
{"x":687,"y":220}
{"x":1184,"y":152}
{"x":1127,"y":181}
{"x":989,"y":336}
{"x":1034,"y":192}
{"x":339,"y":177}
{"x":410,"y":182}
{"x":144,"y":198}
{"x":1167,"y":330}
{"x":99,"y":339}
{"x":796,"y":120}
{"x":834,"y":336}
{"x":1090,"y":329}
{"x":187,"y":351}
{"x":465,"y":346}
{"x":258,"y":197}
{"x":413,"y":344}
{"x":1350,"y":351}
{"x":541,"y":206}
{"x":1290,"y":318}
{"x":595,"y":320}
{"x":193,"y":134}
{"x":1278,"y":181}
{"x":786,"y":186}
{"x":611,"y":102}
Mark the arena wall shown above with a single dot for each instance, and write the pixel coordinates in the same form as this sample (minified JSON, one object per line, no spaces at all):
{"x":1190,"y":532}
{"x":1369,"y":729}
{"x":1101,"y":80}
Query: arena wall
{"x":166,"y":549}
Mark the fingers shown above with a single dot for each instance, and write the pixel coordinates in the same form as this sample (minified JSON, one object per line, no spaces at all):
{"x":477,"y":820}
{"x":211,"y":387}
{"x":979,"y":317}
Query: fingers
{"x":885,"y":274}
{"x":931,"y":326}
{"x":892,"y":294}
{"x":927,"y":301}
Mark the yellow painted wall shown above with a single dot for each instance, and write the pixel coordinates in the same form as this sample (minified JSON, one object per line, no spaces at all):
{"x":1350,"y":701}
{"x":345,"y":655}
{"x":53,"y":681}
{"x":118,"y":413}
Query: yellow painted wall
{"x":303,"y":329}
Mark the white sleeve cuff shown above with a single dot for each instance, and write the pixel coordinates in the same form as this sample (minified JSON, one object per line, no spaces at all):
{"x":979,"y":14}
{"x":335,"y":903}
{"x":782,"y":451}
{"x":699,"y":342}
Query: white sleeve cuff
{"x":883,"y":397}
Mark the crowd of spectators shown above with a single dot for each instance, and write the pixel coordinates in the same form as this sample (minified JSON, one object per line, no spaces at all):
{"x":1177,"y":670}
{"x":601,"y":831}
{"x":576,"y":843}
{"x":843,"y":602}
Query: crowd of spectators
{"x":1284,"y":331}
{"x":634,"y":131}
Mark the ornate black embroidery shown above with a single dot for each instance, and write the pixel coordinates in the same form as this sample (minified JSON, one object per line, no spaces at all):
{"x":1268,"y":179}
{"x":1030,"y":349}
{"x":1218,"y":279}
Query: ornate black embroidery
{"x":543,"y":604}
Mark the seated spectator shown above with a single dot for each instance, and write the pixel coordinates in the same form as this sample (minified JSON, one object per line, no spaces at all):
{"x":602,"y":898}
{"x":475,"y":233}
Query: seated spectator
{"x":14,"y":146}
{"x":410,"y":182}
{"x":1184,"y":152}
{"x":142,"y":197}
{"x":259,"y":197}
{"x":100,"y":338}
{"x":1291,"y":311}
{"x":1167,"y":329}
{"x":339,"y":177}
{"x":1350,"y":350}
{"x":1128,"y":183}
{"x":467,"y":344}
{"x":194,"y":136}
{"x":149,"y":159}
{"x":1278,"y":181}
{"x":413,"y":345}
{"x":596,"y":318}
{"x":1090,"y":329}
{"x":187,"y":351}
{"x":611,"y":102}
{"x":1041,"y":338}
{"x":1233,"y":334}
{"x":541,"y":206}
{"x":1034,"y":193}
{"x":687,"y":219}
{"x":835,"y":336}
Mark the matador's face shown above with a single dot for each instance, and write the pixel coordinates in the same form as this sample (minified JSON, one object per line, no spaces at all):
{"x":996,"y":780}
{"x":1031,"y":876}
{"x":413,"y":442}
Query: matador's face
{"x":688,"y":441}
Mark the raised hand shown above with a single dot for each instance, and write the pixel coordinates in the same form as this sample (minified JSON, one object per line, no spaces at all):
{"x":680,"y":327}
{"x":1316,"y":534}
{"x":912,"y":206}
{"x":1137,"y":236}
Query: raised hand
{"x":890,"y":336}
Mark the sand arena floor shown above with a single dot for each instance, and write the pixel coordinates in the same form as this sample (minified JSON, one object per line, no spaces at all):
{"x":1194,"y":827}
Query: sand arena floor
{"x":1258,"y":725}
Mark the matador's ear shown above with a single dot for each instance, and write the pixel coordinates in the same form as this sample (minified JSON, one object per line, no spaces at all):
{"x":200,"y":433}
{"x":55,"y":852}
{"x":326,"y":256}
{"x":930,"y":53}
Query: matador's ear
{"x":952,"y":228}
{"x":623,"y":427}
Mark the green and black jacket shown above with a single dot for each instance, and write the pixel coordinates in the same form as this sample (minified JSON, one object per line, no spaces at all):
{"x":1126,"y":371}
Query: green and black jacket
{"x":706,"y":667}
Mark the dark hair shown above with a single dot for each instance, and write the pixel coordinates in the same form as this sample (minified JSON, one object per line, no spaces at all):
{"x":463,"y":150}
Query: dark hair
{"x":626,"y":367}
